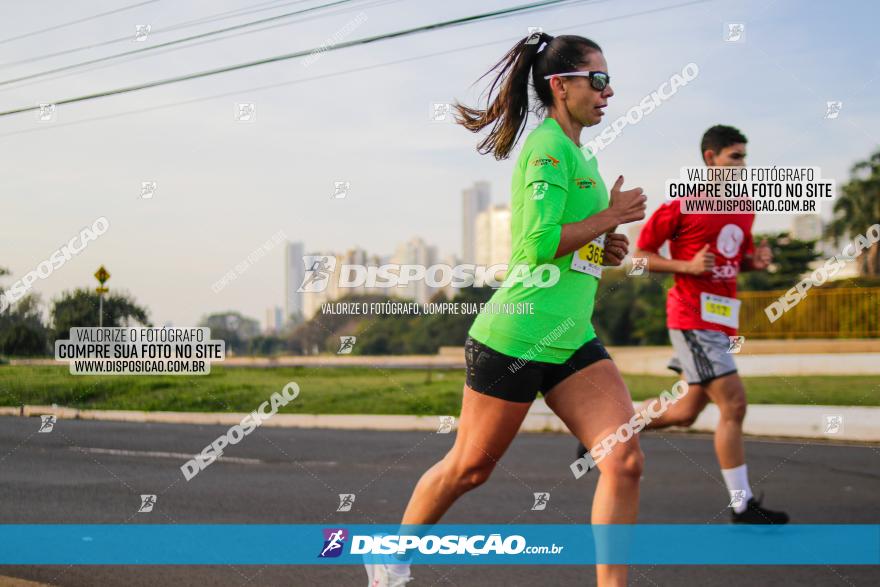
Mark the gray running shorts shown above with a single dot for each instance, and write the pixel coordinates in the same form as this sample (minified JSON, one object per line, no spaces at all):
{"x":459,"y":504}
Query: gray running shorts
{"x":702,"y":355}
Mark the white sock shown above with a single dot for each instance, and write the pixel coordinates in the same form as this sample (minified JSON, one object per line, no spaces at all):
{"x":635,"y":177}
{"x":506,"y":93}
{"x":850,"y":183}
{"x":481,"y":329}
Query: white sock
{"x":737,"y":479}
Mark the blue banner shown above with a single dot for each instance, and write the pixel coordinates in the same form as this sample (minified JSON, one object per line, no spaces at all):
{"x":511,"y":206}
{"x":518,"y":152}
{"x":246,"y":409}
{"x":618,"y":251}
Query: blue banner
{"x":456,"y":544}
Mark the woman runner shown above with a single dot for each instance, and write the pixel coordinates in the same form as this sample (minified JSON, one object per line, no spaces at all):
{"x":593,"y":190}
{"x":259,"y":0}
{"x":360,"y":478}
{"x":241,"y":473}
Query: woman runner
{"x":562,"y":224}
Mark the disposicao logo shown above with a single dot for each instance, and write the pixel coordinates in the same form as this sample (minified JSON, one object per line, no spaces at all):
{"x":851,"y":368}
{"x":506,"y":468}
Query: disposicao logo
{"x":334,"y":542}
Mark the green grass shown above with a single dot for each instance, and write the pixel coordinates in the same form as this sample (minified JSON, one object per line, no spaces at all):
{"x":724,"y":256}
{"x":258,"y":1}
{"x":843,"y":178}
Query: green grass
{"x":355,"y":390}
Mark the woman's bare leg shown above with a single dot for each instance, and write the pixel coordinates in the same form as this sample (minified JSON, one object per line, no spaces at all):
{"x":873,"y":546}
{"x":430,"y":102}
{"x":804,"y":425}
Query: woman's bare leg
{"x":486,"y":427}
{"x":593,"y":403}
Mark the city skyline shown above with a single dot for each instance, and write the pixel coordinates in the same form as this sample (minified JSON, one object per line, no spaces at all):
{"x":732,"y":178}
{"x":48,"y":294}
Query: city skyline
{"x":220,"y":186}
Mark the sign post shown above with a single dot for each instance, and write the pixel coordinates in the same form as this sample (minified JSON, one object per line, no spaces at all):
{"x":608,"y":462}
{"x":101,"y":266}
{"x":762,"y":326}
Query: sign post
{"x":102,"y":275}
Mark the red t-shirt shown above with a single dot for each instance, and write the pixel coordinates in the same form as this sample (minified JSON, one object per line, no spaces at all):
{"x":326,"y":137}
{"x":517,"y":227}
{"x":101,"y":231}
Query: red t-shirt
{"x":729,"y":237}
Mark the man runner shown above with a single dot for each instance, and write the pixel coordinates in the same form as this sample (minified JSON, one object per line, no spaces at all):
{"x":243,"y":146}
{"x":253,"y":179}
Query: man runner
{"x":707,"y":252}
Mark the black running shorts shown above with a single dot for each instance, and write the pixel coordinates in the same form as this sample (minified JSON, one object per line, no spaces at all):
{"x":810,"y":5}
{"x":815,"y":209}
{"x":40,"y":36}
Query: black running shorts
{"x":514,"y":380}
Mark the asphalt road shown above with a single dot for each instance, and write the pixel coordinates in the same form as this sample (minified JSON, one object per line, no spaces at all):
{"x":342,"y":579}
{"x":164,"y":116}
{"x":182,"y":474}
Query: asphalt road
{"x":94,"y":472}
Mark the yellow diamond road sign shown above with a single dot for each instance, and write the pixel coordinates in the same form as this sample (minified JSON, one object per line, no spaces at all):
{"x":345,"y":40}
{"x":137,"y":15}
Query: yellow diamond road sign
{"x":102,"y":275}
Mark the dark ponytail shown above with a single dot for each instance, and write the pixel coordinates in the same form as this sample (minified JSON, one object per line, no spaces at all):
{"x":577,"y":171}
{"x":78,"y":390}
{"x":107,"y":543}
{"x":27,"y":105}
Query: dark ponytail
{"x":537,"y":55}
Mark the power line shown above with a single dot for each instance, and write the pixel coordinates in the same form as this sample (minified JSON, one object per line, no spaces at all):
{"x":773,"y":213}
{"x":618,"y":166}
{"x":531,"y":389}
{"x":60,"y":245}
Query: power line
{"x":245,"y":10}
{"x":343,"y":72}
{"x":174,"y":42}
{"x":277,"y":58}
{"x":78,"y":21}
{"x":368,"y":4}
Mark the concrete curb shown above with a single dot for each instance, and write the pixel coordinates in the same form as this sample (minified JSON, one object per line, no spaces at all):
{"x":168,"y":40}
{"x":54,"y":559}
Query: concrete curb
{"x":858,"y":423}
{"x":630,"y":361}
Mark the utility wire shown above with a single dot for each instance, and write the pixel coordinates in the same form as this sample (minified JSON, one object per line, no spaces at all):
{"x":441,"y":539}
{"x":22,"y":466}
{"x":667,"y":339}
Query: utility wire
{"x":73,"y":22}
{"x":174,"y":42}
{"x":343,"y":72}
{"x":277,"y":58}
{"x":245,"y":10}
{"x":340,"y":10}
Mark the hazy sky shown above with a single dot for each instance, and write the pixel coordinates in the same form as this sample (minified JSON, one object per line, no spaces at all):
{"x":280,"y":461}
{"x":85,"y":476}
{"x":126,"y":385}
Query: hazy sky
{"x":225,"y":187}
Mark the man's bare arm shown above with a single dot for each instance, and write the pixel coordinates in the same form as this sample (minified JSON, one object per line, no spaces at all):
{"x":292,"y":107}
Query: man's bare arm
{"x":702,"y":262}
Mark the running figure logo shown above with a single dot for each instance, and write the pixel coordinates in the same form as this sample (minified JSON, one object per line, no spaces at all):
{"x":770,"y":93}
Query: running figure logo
{"x":833,"y":424}
{"x":346,"y":344}
{"x":446,"y":424}
{"x":340,"y":189}
{"x":245,"y":112}
{"x":334,"y":541}
{"x":441,"y":112}
{"x":639,"y":265}
{"x":147,"y":503}
{"x":148,"y":188}
{"x":141,"y":32}
{"x":47,"y":423}
{"x":832,"y":109}
{"x":542,"y":498}
{"x":534,"y":35}
{"x":46,"y":113}
{"x":346,"y":500}
{"x":539,"y":190}
{"x":737,"y":498}
{"x":736,"y":32}
{"x":319,"y":268}
{"x":736,"y":343}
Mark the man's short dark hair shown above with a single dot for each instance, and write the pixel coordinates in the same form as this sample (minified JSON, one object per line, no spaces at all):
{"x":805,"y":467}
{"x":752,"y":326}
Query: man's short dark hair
{"x":720,"y":136}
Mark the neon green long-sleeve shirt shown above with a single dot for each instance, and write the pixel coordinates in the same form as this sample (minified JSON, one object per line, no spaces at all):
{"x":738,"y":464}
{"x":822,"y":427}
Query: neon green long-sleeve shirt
{"x":553,"y":184}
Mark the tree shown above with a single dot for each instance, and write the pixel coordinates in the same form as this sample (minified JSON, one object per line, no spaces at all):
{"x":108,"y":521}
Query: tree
{"x":631,"y":310}
{"x":265,"y":345}
{"x":422,"y":334}
{"x":857,"y":208}
{"x":791,"y":259}
{"x":22,"y":332}
{"x":79,"y":308}
{"x":234,"y":328}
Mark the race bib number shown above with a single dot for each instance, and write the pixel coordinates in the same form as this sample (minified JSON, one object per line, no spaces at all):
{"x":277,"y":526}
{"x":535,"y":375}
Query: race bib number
{"x":719,"y":310}
{"x":588,"y":258}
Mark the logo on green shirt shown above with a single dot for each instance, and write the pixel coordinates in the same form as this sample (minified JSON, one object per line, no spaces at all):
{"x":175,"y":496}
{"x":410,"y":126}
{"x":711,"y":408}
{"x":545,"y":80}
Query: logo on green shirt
{"x":547,"y":160}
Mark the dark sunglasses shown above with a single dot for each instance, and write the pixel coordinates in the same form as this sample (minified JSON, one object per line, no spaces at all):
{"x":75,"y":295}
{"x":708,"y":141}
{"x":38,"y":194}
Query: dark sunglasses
{"x":599,"y":80}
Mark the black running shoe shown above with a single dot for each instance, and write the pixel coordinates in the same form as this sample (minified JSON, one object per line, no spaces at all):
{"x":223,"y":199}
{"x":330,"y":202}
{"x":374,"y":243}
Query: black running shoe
{"x":755,"y":514}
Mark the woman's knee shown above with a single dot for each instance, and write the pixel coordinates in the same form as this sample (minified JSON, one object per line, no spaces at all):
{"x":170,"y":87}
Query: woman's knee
{"x":625,"y":462}
{"x":466,"y":474}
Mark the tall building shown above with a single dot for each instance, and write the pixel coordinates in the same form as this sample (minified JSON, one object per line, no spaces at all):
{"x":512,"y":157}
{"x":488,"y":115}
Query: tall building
{"x":279,"y":319}
{"x":474,"y":200}
{"x":274,"y":320}
{"x":294,"y":273}
{"x":415,"y":252}
{"x":492,"y":243}
{"x":355,"y":257}
{"x":269,"y":321}
{"x":329,"y":289}
{"x":449,"y":291}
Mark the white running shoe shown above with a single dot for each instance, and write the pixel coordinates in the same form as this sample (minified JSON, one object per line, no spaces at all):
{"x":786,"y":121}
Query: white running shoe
{"x":381,"y":575}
